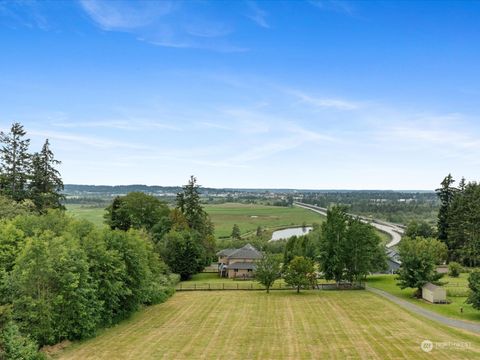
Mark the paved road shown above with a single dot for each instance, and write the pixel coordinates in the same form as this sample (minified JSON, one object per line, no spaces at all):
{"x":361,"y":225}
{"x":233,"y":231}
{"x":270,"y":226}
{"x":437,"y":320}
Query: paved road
{"x":393,"y":230}
{"x":459,"y":324}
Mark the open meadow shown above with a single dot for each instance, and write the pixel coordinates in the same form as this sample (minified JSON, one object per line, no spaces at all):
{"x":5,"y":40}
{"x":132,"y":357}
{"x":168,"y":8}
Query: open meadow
{"x":281,"y":325}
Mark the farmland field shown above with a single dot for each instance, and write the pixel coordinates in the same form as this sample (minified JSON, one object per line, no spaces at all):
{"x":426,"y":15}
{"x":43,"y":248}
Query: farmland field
{"x":249,"y":217}
{"x":282,"y":325}
{"x":86,"y":212}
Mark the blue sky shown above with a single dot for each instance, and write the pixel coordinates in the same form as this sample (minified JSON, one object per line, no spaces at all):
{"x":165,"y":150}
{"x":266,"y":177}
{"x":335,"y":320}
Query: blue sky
{"x":314,"y":94}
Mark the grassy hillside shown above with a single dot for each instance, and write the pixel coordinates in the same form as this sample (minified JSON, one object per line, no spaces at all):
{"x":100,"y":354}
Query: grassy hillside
{"x":282,"y":325}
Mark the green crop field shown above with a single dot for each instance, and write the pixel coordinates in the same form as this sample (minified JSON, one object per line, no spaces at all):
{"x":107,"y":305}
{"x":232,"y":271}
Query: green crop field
{"x":249,"y":217}
{"x":281,"y":325}
{"x":86,"y":212}
{"x":457,"y":290}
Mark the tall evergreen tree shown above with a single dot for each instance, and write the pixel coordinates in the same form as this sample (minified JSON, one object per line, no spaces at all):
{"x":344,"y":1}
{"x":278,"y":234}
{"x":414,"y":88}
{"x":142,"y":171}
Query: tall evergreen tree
{"x":46,"y":183}
{"x":15,"y":162}
{"x":236,"y":233}
{"x":188,"y":202}
{"x":332,"y":241}
{"x":464,"y":226}
{"x":445,"y":194}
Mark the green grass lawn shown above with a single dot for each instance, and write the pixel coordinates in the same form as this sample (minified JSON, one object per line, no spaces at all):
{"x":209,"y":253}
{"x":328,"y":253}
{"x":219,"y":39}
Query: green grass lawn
{"x":281,"y":325}
{"x":455,"y":286}
{"x":249,"y":216}
{"x":213,"y":281}
{"x":87,"y":212}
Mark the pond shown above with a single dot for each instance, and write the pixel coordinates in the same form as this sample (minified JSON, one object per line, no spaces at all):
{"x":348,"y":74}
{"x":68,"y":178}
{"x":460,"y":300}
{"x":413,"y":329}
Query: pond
{"x":288,"y":233}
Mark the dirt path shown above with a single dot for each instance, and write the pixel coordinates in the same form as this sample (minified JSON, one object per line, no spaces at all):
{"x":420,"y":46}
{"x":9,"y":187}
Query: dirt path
{"x":459,"y":324}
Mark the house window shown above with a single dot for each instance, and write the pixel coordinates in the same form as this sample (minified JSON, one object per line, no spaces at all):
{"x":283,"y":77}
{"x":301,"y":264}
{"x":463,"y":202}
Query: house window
{"x":249,"y":270}
{"x":236,"y":270}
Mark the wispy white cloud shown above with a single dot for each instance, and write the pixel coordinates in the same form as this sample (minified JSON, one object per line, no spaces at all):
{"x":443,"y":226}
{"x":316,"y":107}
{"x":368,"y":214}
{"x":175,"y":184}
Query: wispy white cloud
{"x":340,"y":6}
{"x":15,"y":13}
{"x":257,"y":15}
{"x":130,"y":125}
{"x":176,"y":24}
{"x":124,"y":15}
{"x":325,"y":102}
{"x":97,"y":142}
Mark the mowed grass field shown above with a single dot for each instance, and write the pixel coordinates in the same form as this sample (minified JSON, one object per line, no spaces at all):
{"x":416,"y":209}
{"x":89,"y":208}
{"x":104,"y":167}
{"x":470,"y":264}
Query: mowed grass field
{"x":249,"y":216}
{"x":281,"y":325}
{"x":457,"y":292}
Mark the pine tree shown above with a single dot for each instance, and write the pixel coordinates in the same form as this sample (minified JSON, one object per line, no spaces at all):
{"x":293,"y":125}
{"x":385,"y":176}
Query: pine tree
{"x":446,"y":194}
{"x":46,"y":184}
{"x":236,"y":234}
{"x":15,"y":162}
{"x":188,"y":202}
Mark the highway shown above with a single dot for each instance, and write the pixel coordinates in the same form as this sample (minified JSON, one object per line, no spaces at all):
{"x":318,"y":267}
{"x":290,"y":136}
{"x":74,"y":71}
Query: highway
{"x":395,"y":231}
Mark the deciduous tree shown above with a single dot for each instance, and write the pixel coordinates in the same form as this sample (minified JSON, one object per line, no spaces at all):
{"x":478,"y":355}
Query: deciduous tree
{"x":267,"y":270}
{"x":298,"y":272}
{"x":419,"y":258}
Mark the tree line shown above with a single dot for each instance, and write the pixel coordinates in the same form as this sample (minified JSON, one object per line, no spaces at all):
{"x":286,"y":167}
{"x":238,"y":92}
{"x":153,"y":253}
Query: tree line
{"x":63,"y":279}
{"x":183,"y":236}
{"x":459,"y":220}
{"x":27,"y":177}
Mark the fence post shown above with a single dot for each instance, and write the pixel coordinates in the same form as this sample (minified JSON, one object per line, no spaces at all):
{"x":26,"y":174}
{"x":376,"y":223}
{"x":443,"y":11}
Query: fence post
{"x":195,"y":286}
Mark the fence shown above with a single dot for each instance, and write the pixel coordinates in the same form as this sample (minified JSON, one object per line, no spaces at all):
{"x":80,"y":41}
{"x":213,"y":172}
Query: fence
{"x":256,"y":286}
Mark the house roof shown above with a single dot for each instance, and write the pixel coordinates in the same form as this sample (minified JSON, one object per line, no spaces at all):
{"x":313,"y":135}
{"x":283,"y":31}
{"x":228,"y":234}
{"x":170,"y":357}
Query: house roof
{"x":431,"y":287}
{"x":225,"y":252}
{"x":246,"y":252}
{"x":242,"y":266}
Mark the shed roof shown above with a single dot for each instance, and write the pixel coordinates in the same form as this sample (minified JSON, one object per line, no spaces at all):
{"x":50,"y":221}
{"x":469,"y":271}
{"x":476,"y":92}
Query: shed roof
{"x":432,"y":287}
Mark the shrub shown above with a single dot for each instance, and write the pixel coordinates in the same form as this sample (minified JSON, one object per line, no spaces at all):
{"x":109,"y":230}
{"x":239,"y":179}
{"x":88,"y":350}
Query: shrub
{"x":454,"y":269}
{"x":15,"y":346}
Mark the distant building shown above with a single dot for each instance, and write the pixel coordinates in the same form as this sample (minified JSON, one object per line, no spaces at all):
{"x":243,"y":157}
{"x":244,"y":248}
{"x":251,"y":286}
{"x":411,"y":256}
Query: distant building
{"x":434,"y":294}
{"x":238,"y":263}
{"x":442,"y":269}
{"x":393,"y":261}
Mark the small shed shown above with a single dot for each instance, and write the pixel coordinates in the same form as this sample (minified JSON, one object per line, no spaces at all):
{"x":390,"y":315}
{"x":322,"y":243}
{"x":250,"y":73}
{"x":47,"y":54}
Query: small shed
{"x":434,"y":294}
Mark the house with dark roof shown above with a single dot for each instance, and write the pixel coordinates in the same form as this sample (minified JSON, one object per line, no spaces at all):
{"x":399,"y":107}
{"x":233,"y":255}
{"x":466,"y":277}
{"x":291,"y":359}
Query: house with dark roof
{"x":393,"y":261}
{"x":238,"y":263}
